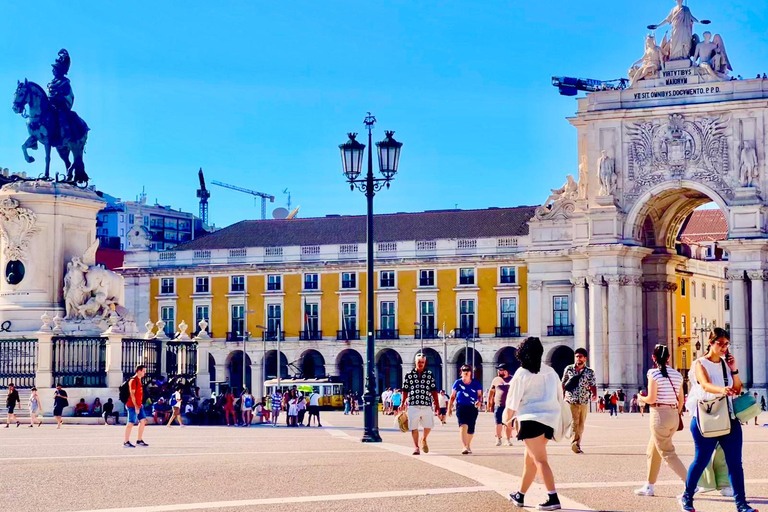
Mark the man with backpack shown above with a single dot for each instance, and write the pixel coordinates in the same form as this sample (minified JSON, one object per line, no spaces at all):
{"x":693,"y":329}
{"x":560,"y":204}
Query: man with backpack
{"x":132,"y":395}
{"x":580,"y":387}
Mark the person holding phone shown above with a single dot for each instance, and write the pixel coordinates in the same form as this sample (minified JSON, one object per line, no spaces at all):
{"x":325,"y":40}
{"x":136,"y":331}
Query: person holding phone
{"x":716,"y":374}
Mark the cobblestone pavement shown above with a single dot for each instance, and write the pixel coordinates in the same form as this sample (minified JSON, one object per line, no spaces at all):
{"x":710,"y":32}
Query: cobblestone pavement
{"x":85,"y":468}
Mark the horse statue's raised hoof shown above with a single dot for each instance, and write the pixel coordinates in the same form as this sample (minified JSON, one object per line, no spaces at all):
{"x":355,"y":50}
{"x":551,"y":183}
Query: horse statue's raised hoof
{"x":29,"y":159}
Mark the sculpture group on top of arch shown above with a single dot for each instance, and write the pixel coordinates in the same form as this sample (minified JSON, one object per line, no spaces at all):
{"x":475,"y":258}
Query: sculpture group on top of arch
{"x":682,"y":49}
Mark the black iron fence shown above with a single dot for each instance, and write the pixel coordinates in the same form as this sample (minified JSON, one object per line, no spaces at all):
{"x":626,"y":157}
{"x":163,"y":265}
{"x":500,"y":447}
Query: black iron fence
{"x":80,"y":362}
{"x":138,"y":351}
{"x":181,"y":359}
{"x":560,"y":330}
{"x":17,"y":363}
{"x":347,"y":334}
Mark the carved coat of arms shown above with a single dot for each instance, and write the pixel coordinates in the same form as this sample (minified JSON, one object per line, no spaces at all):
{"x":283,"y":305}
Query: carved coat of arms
{"x":678,"y":148}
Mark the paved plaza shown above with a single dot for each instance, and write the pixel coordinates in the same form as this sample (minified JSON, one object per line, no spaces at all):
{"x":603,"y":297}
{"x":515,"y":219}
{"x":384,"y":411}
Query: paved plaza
{"x":85,"y":468}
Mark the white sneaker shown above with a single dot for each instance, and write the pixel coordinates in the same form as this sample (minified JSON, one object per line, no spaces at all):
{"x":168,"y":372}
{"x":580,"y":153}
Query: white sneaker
{"x":727,"y":492}
{"x":508,"y":442}
{"x":498,"y":441}
{"x":645,"y":490}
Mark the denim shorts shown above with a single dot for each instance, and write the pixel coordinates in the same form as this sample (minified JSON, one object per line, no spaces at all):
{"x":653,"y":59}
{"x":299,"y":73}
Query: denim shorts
{"x":498,"y":414}
{"x":134,"y":417}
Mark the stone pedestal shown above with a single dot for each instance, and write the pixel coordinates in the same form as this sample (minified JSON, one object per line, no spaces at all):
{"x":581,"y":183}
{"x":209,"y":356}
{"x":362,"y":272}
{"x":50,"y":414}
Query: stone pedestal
{"x":43,"y":226}
{"x":606,"y":201}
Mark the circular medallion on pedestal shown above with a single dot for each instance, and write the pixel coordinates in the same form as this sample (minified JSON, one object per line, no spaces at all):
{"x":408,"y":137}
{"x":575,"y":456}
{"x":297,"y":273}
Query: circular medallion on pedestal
{"x":14,"y":272}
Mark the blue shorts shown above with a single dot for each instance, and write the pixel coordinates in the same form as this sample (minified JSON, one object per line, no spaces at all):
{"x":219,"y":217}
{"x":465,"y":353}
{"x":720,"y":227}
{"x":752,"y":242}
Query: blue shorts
{"x":134,"y":417}
{"x":498,"y":414}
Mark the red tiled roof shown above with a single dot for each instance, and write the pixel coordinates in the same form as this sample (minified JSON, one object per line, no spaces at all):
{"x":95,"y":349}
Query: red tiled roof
{"x":336,"y":229}
{"x":704,"y":226}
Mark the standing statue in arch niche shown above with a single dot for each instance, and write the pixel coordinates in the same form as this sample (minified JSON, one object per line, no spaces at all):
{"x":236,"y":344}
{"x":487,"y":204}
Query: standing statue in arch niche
{"x":748,"y":168}
{"x":52,"y":122}
{"x":583,"y":178}
{"x":606,"y":173}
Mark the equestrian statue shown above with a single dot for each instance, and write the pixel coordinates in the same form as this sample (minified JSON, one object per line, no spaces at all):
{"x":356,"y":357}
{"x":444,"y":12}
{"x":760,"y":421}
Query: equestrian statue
{"x":52,"y":122}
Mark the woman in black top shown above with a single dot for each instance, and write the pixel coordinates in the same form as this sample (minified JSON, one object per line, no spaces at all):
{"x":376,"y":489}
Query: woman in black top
{"x":10,"y":402}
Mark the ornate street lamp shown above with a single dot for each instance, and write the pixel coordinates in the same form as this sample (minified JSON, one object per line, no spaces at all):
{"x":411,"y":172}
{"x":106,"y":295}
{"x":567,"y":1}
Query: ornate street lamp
{"x":352,"y":162}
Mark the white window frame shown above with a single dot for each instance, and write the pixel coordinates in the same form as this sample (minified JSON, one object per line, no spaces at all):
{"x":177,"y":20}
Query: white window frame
{"x":173,"y":280}
{"x":232,"y":283}
{"x":394,"y":279}
{"x":434,"y":278}
{"x":513,"y":283}
{"x":209,"y":285}
{"x":356,"y":302}
{"x":266,"y":283}
{"x":341,"y":280}
{"x":304,"y":282}
{"x":474,"y":277}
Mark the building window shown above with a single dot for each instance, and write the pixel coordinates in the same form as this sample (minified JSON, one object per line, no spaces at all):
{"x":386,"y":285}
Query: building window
{"x":348,"y":280}
{"x":238,"y":314}
{"x":427,"y":278}
{"x":274,"y":319}
{"x":122,"y":232}
{"x":146,"y":220}
{"x":709,"y":252}
{"x":349,"y":318}
{"x":507,"y":275}
{"x":467,"y":318}
{"x":560,"y":310}
{"x":727,"y":302}
{"x":273,"y":282}
{"x":703,"y":290}
{"x":237,"y":284}
{"x":311,"y":281}
{"x":683,"y":325}
{"x":311,"y":319}
{"x":167,"y":316}
{"x":466,"y":276}
{"x":682,"y":287}
{"x":387,"y":316}
{"x":387,"y":279}
{"x":427,"y":319}
{"x":508,"y":313}
{"x":714,"y":294}
{"x":131,"y":219}
{"x":693,"y":287}
{"x":167,"y":286}
{"x":201,"y":285}
{"x":202,"y":313}
{"x":122,"y":218}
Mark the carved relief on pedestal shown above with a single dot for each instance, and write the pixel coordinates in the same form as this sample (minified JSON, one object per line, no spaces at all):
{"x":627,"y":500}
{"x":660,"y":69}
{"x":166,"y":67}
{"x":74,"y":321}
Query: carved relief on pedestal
{"x":675,"y":148}
{"x":17,"y":226}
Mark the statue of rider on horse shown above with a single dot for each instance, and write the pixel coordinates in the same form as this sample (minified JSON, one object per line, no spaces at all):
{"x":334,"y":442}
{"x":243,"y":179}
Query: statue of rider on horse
{"x":52,"y":122}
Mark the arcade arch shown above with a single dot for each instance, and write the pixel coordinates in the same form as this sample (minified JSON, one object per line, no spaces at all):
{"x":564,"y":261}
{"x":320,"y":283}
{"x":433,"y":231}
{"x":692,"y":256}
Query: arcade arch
{"x":349,"y":363}
{"x":312,"y":365}
{"x":234,"y":365}
{"x":270,"y":364}
{"x":389,"y":369}
{"x":435,"y":365}
{"x":508,"y":356}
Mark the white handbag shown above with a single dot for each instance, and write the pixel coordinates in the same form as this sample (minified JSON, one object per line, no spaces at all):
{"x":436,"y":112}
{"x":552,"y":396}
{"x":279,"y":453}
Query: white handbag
{"x":713,"y":416}
{"x":564,"y":429}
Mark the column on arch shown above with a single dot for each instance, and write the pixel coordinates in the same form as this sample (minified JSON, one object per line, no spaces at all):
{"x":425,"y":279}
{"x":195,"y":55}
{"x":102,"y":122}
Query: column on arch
{"x":534,"y":308}
{"x":758,"y":366}
{"x":739,"y":321}
{"x":596,"y":332}
{"x":631,"y":338}
{"x":580,"y":311}
{"x":616,"y":334}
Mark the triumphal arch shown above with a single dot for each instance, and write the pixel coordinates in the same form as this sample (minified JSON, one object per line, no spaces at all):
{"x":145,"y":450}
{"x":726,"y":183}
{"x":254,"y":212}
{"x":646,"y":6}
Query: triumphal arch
{"x":682,"y":134}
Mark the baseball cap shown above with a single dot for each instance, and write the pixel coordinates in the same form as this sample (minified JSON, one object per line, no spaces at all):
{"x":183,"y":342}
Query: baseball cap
{"x":502,"y":366}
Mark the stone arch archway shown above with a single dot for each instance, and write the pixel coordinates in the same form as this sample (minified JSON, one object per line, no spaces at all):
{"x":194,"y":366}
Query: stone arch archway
{"x":312,"y":364}
{"x":270,"y":364}
{"x":349,"y":363}
{"x":389,"y":369}
{"x":234,"y":366}
{"x":508,"y":356}
{"x":560,"y":357}
{"x":435,"y":365}
{"x":471,"y":357}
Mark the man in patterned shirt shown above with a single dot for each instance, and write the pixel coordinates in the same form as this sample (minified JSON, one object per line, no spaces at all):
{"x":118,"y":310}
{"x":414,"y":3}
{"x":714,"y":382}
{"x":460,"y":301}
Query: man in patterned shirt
{"x":421,"y":401}
{"x":580,"y":387}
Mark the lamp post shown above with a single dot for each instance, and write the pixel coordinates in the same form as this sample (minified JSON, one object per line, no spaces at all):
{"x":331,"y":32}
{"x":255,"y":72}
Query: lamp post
{"x":705,"y":328}
{"x":352,"y":162}
{"x":421,"y":335}
{"x":445,"y":335}
{"x":246,"y":337}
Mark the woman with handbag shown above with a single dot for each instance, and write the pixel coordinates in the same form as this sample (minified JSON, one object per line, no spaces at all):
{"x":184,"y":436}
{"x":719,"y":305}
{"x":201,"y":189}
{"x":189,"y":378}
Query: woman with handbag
{"x":715,"y":382}
{"x":665,"y":396}
{"x":535,"y":398}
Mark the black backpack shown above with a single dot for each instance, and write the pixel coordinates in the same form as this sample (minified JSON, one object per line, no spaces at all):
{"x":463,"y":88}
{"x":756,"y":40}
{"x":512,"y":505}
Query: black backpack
{"x":125,"y":392}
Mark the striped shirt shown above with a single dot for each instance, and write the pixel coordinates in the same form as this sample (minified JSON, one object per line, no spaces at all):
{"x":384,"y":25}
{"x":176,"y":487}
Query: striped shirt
{"x":665,"y":393}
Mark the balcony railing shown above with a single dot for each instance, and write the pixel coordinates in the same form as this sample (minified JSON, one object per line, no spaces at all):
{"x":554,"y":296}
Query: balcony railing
{"x":508,"y":332}
{"x":347,"y":334}
{"x":425,"y":334}
{"x":466,"y":332}
{"x":272,"y":335}
{"x":310,"y":335}
{"x":560,"y":330}
{"x":387,"y":334}
{"x":234,"y":336}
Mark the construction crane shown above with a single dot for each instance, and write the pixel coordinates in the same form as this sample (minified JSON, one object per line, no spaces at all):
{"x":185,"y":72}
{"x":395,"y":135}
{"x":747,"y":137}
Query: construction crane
{"x":203,"y":193}
{"x":570,"y":86}
{"x":262,"y":195}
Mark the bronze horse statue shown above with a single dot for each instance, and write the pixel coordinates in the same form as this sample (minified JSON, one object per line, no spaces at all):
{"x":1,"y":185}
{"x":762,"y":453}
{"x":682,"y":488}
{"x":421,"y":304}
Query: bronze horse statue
{"x":44,"y":126}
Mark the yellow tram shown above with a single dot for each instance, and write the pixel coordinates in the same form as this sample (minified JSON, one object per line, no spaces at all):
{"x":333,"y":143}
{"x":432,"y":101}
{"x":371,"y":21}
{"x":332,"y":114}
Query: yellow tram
{"x":331,"y":393}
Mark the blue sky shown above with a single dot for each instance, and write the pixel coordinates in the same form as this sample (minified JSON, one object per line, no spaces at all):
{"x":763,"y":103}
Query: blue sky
{"x":260,"y":94}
